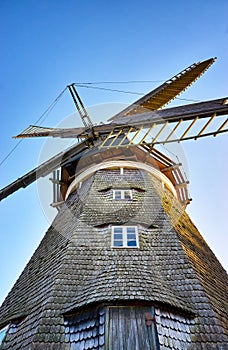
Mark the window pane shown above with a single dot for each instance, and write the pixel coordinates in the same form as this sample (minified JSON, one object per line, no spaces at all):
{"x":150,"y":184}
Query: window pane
{"x":117,"y":229}
{"x":118,"y":236}
{"x":130,"y":229}
{"x":131,"y":244}
{"x":118,"y":243}
{"x":117,"y":194}
{"x":127,"y":194}
{"x":131,"y":236}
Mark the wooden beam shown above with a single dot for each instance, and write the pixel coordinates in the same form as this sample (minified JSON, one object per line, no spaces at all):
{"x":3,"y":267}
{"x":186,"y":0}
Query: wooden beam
{"x":125,"y":136}
{"x":205,"y":126}
{"x":135,"y":135}
{"x":106,"y":138}
{"x":221,"y":127}
{"x":115,"y":138}
{"x":147,"y":133}
{"x":188,"y":129}
{"x":173,"y":131}
{"x":160,"y":131}
{"x":172,"y":167}
{"x":182,"y":185}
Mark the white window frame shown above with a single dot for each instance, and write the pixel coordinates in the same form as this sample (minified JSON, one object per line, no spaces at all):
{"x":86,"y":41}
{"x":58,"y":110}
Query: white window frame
{"x":122,"y":194}
{"x":124,"y":237}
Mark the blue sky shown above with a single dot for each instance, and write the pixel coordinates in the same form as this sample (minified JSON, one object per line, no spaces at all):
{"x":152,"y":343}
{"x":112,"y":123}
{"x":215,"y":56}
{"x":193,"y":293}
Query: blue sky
{"x":46,"y":45}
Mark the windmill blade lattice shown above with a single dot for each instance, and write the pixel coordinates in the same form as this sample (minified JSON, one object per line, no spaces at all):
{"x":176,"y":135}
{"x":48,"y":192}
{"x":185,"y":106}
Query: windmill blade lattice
{"x":136,"y":126}
{"x":152,"y":101}
{"x":39,"y":131}
{"x":201,"y":116}
{"x":166,"y":92}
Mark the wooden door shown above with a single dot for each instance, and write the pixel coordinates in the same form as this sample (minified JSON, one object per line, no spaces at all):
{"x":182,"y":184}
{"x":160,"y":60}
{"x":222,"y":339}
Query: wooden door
{"x":130,"y":328}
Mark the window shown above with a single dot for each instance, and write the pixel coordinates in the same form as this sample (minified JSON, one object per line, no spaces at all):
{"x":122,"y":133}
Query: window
{"x":125,"y":237}
{"x":122,"y":194}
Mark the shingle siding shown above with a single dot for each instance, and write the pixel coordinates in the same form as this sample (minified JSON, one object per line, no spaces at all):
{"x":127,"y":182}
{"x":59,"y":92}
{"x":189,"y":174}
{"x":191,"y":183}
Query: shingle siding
{"x":75,"y":267}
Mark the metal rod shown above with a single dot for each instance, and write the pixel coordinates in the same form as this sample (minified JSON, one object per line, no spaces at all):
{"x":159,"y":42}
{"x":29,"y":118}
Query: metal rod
{"x":190,"y":126}
{"x":82,"y":106}
{"x":206,"y":125}
{"x":76,"y":104}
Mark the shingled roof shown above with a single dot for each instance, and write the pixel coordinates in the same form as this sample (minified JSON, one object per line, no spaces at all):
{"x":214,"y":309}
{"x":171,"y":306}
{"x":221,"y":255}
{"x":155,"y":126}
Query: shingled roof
{"x":75,"y":274}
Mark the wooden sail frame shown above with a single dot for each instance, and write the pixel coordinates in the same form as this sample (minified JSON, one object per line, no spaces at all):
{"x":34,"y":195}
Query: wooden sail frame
{"x":135,"y":125}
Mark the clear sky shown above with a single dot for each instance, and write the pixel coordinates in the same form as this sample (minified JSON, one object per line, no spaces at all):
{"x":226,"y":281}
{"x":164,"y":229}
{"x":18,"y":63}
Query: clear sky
{"x":46,"y":45}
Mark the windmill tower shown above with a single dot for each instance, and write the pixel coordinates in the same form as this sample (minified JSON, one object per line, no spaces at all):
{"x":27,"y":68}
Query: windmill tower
{"x":122,"y":266}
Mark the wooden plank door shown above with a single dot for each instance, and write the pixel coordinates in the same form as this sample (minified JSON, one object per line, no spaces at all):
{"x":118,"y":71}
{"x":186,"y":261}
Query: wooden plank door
{"x":128,"y":329}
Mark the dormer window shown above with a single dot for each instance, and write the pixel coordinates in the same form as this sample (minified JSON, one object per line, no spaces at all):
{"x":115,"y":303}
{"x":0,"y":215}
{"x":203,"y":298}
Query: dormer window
{"x":122,"y":194}
{"x":125,"y":237}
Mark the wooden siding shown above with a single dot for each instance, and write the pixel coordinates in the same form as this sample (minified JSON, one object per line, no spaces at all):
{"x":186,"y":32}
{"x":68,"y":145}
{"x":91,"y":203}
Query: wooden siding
{"x":127,"y":329}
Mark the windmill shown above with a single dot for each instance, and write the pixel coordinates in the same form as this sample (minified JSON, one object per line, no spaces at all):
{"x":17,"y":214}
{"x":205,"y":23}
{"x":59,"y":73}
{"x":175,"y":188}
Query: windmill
{"x":122,"y":266}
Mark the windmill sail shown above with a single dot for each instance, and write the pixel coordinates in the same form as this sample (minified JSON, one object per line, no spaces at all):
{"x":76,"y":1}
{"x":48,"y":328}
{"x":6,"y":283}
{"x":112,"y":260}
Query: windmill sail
{"x":39,"y":131}
{"x":200,"y":110}
{"x":171,"y":117}
{"x":44,"y":169}
{"x":165,"y":93}
{"x":204,"y":118}
{"x":135,"y":126}
{"x":154,"y":100}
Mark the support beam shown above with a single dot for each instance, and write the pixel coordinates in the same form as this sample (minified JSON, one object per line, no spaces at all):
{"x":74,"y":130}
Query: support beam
{"x":172,"y":167}
{"x":115,"y":138}
{"x":80,"y":107}
{"x":206,"y":125}
{"x":188,"y":129}
{"x":135,"y":135}
{"x":125,"y":136}
{"x":173,"y":131}
{"x":182,"y":185}
{"x":147,"y":133}
{"x":160,"y":131}
{"x":221,"y":127}
{"x":106,"y":139}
